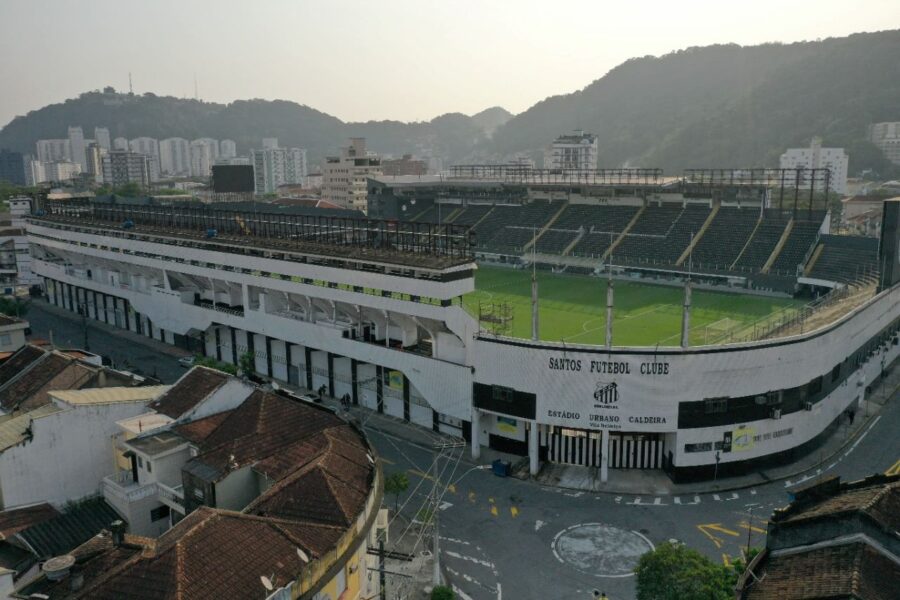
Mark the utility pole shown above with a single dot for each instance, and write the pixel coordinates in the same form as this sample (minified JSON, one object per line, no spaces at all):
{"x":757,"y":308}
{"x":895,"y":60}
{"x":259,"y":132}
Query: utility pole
{"x":435,"y":508}
{"x":381,"y":577}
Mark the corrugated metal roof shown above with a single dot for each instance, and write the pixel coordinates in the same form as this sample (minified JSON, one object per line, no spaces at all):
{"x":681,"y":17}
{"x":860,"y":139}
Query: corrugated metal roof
{"x":110,"y":395}
{"x":71,"y":529}
{"x":13,"y":431}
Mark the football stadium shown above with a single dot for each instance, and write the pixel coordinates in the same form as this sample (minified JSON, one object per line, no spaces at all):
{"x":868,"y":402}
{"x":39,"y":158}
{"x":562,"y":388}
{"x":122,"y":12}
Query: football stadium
{"x":706,"y":322}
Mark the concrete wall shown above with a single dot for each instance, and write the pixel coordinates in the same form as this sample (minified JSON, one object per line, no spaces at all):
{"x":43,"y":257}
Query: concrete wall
{"x":237,"y":490}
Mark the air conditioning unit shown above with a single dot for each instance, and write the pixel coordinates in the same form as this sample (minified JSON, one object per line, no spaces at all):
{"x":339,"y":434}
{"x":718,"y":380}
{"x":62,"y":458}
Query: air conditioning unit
{"x":775,"y":413}
{"x":808,"y":405}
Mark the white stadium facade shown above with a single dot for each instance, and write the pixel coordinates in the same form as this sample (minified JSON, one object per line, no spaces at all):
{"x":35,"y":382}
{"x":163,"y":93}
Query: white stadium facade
{"x":373,"y":309}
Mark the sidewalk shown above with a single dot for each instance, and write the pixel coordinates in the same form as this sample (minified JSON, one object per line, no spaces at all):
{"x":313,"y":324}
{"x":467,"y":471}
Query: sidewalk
{"x":637,"y":482}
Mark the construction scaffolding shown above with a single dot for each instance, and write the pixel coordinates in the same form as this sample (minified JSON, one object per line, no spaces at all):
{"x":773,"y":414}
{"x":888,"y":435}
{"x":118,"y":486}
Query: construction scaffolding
{"x":495,"y":317}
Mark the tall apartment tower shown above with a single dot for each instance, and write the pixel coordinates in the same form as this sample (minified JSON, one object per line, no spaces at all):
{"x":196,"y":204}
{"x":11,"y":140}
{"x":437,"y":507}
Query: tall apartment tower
{"x":123,"y":166}
{"x":204,"y":153}
{"x":149,"y":147}
{"x":53,"y":150}
{"x":576,"y":151}
{"x":227,"y":149}
{"x":273,"y":167}
{"x":77,"y":146}
{"x":101,"y":136}
{"x":175,"y":156}
{"x":344,"y":177}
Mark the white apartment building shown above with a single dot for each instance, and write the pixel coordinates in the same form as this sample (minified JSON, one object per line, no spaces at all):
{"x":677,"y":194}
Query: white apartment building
{"x":817,"y":157}
{"x":269,"y":142}
{"x":273,"y":167}
{"x":227,"y":149}
{"x":149,"y":147}
{"x":34,"y":173}
{"x":53,"y":150}
{"x":175,"y":156}
{"x":101,"y":136}
{"x":19,"y":209}
{"x":77,"y":146}
{"x":887,"y":137}
{"x":61,"y":170}
{"x":344,"y":177}
{"x":120,"y":143}
{"x":204,"y":152}
{"x":575,"y":151}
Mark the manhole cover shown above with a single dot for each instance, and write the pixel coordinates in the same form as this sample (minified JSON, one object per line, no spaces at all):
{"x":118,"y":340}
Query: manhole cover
{"x":600,"y":550}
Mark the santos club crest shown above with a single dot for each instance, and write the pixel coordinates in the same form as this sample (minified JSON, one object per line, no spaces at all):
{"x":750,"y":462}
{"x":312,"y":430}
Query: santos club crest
{"x":606,"y":393}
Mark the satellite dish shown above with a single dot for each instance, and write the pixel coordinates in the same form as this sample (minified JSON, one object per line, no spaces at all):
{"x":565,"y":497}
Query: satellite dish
{"x":302,"y":555}
{"x":267,"y":583}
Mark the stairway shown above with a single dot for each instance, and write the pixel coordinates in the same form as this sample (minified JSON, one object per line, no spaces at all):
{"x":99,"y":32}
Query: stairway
{"x":549,"y":224}
{"x":747,"y":243}
{"x":781,"y":242}
{"x":622,"y":235}
{"x":820,"y":247}
{"x":687,"y":251}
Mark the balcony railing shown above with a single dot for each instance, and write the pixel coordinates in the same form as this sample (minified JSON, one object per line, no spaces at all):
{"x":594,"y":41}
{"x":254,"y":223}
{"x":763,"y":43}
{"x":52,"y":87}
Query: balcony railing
{"x":122,"y":486}
{"x":173,"y":496}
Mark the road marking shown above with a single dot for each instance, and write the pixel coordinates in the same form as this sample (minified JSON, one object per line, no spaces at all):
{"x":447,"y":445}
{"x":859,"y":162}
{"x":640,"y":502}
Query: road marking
{"x":454,"y":540}
{"x":494,"y":510}
{"x":472,"y":497}
{"x":490,"y":499}
{"x":419,"y":473}
{"x":894,"y":470}
{"x":477,"y":561}
{"x":734,"y":496}
{"x":461,"y":593}
{"x":514,"y":511}
{"x":746,"y":525}
{"x":445,"y":505}
{"x":717,"y":527}
{"x":658,"y":501}
{"x":538,"y":524}
{"x":753,"y":492}
{"x":452,"y":488}
{"x":726,"y":560}
{"x":716,"y":497}
{"x":618,"y":499}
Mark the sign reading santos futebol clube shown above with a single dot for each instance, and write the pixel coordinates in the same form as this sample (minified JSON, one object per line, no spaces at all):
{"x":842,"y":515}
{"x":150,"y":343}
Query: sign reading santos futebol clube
{"x":609,"y":394}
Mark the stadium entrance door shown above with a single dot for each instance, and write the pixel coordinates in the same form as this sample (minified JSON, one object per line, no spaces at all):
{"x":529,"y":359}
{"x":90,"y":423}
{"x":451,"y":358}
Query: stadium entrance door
{"x":585,"y":448}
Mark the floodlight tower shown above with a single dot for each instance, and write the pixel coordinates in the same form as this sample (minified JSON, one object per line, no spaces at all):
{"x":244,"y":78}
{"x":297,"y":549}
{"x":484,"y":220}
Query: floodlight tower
{"x":686,"y":314}
{"x":609,"y":297}
{"x":534,"y":291}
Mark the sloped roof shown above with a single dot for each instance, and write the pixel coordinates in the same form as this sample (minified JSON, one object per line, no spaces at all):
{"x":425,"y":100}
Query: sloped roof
{"x":879,"y":501}
{"x":197,"y":431}
{"x":28,"y":391}
{"x":69,"y":530}
{"x":17,"y":519}
{"x":842,"y":571}
{"x":110,"y":395}
{"x":7,"y":320}
{"x":193,"y":387}
{"x":19,"y":361}
{"x":182,"y":565}
{"x":16,"y":430}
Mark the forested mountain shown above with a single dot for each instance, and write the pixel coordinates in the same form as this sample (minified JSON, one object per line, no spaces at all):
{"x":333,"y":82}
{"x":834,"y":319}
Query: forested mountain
{"x":727,"y":105}
{"x":721,"y":106}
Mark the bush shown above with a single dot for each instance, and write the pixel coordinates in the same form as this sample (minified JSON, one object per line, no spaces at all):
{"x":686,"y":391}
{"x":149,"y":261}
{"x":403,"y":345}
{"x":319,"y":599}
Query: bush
{"x":675,"y":572}
{"x":442,"y":592}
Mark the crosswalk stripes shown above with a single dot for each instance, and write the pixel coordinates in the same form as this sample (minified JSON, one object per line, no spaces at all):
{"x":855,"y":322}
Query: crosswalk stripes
{"x":678,"y":500}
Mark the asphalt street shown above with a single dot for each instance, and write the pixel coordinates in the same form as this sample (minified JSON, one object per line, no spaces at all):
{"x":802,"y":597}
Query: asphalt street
{"x":507,"y":537}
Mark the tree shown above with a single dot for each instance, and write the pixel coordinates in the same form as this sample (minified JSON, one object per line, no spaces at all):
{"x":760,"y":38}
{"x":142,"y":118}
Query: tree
{"x":13,"y":307}
{"x":675,"y":572}
{"x":396,"y":484}
{"x":442,"y":592}
{"x":247,"y":363}
{"x":212,"y":363}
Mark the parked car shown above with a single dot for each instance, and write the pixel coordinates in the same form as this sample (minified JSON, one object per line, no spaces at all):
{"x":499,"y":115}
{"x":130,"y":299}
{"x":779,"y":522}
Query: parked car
{"x":187,"y":361}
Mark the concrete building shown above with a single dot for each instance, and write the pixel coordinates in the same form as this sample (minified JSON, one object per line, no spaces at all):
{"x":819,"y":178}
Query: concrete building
{"x":227,"y":149}
{"x":835,"y":540}
{"x":20,"y":208}
{"x":269,"y":142}
{"x":61,"y":170}
{"x":12,"y":334}
{"x":59,"y":452}
{"x":12,"y":167}
{"x":407,"y":165}
{"x":204,"y":152}
{"x":53,"y":150}
{"x":148,"y":147}
{"x":101,"y":136}
{"x":344,"y":177}
{"x":122,"y":166}
{"x":576,"y":151}
{"x":120,"y":143}
{"x":175,"y":157}
{"x":77,"y":146}
{"x":94,"y":154}
{"x":887,"y":137}
{"x":817,"y":157}
{"x":273,"y":167}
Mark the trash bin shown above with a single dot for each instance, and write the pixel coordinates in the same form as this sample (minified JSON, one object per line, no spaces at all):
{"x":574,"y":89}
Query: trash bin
{"x":500,"y":468}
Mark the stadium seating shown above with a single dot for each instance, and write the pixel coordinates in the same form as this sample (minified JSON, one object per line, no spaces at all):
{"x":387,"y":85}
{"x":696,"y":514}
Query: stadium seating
{"x":801,"y":239}
{"x":596,"y":218}
{"x":472,"y":214}
{"x":688,"y":224}
{"x":845,"y":258}
{"x":762,"y":244}
{"x":724,"y":238}
{"x":507,"y":229}
{"x":555,"y":241}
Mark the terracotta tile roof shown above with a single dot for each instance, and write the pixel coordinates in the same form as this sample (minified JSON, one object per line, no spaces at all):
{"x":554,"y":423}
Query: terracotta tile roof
{"x":183,"y":567}
{"x":69,"y":530}
{"x":879,"y":501}
{"x":7,"y":320}
{"x":13,"y":521}
{"x":197,"y":431}
{"x":845,"y":571}
{"x":31,"y":389}
{"x":189,"y":391}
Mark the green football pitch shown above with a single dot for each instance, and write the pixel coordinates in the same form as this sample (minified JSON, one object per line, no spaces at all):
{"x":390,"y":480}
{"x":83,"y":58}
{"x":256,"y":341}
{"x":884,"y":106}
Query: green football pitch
{"x":573,"y":309}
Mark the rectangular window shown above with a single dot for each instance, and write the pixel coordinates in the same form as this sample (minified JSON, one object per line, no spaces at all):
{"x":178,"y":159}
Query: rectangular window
{"x":815,"y":386}
{"x":149,"y":467}
{"x":160,"y":512}
{"x":701,"y":447}
{"x":836,"y":373}
{"x":140,"y":462}
{"x":502,"y":394}
{"x":5,"y":339}
{"x":715,"y":405}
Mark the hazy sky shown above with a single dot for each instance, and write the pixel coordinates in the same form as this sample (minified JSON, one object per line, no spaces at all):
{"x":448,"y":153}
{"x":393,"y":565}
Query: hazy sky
{"x":387,"y":59}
